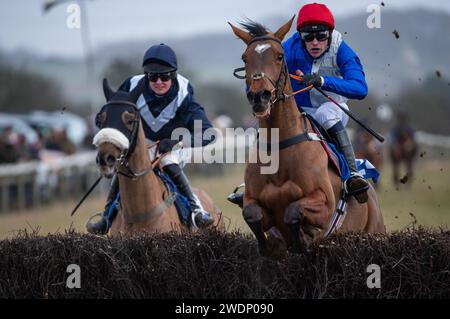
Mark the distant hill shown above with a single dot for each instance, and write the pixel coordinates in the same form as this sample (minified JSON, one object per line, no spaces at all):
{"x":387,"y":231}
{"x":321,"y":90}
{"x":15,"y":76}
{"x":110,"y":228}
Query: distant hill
{"x":390,"y":64}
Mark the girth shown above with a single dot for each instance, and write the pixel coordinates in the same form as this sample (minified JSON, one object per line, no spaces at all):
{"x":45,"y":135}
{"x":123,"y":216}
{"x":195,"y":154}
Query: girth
{"x":296,"y":139}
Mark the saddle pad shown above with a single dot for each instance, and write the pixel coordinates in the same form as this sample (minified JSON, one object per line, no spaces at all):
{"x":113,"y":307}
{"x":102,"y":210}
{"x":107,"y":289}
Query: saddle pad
{"x":337,"y":159}
{"x":365,"y":168}
{"x":181,"y":201}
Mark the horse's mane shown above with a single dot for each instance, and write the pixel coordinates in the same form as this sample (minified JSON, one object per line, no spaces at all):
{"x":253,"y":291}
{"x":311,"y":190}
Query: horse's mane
{"x":254,"y":28}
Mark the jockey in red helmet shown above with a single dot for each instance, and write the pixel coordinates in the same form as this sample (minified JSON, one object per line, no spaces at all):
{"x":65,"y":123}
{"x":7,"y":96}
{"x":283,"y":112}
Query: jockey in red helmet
{"x":320,"y":52}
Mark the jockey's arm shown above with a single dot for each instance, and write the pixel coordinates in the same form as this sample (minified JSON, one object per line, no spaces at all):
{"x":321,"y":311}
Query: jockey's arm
{"x":353,"y":84}
{"x":197,"y":113}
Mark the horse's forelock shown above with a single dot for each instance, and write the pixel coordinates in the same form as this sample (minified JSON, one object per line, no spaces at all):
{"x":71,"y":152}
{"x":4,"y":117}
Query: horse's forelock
{"x":254,"y":28}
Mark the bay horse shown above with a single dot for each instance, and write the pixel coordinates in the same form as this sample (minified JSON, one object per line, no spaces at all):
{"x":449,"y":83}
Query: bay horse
{"x":296,"y":202}
{"x":403,"y":149}
{"x":145,"y":204}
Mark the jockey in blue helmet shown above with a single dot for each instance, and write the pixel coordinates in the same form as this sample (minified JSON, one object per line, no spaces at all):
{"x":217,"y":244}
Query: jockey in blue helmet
{"x":166,"y":103}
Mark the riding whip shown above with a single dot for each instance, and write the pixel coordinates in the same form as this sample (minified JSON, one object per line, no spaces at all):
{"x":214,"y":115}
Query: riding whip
{"x":368,"y":129}
{"x":86,"y":195}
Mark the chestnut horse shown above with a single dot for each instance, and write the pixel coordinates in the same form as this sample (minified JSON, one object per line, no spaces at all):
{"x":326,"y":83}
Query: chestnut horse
{"x":146,"y":205}
{"x":297,"y":201}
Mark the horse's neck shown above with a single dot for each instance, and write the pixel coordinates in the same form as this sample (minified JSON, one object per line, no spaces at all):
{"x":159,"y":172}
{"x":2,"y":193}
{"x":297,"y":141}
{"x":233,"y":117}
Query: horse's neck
{"x":285,"y":116}
{"x":142,"y":194}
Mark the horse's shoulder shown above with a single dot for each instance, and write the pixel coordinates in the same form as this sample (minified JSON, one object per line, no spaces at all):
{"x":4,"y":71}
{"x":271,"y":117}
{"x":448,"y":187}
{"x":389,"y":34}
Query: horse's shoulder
{"x":276,"y":193}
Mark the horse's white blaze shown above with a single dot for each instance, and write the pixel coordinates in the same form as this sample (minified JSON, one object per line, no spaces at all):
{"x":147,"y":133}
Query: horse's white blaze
{"x":260,"y":48}
{"x":113,"y":136}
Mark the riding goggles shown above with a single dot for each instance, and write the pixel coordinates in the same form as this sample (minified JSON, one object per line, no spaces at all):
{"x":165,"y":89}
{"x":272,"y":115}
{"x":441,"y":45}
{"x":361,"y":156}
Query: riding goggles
{"x":310,"y":36}
{"x":153,"y":77}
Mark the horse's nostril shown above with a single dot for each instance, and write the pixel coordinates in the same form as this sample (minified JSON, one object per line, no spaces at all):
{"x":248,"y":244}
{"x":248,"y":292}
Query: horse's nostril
{"x":266,"y":96}
{"x":251,"y":96}
{"x":261,"y":97}
{"x":110,"y":159}
{"x":100,"y":161}
{"x":105,"y":160}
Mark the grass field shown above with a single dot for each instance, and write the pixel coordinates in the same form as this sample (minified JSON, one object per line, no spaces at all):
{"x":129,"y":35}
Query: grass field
{"x":425,"y":199}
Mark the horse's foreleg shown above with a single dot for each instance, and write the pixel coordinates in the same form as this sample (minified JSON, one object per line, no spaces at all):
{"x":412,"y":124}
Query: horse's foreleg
{"x":317,"y":208}
{"x":253,"y":216}
{"x":293,"y":218}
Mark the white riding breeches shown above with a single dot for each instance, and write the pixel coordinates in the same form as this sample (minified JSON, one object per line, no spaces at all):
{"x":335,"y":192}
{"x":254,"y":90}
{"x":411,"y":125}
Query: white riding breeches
{"x":328,"y":114}
{"x":180,"y":156}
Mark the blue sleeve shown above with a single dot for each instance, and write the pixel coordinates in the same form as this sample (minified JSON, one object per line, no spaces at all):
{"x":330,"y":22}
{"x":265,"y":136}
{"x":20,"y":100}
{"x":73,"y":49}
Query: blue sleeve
{"x":125,"y":86}
{"x":197,"y":113}
{"x":353,"y":84}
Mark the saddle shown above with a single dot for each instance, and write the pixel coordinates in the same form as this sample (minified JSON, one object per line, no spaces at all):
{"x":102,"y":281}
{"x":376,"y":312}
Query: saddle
{"x":336,"y":158}
{"x":326,"y":140}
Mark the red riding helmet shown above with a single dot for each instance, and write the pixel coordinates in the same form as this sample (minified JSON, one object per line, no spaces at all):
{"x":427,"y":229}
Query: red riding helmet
{"x":315,"y":13}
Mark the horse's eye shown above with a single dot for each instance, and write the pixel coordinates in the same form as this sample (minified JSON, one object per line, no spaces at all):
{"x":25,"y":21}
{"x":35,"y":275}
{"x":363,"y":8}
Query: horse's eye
{"x":280,"y":57}
{"x":244,"y":60}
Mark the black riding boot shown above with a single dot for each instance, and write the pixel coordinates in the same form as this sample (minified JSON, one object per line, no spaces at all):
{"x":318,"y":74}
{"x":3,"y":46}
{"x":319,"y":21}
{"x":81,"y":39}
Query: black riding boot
{"x":356,"y":185}
{"x":102,"y":226}
{"x":199,"y":217}
{"x":237,"y":197}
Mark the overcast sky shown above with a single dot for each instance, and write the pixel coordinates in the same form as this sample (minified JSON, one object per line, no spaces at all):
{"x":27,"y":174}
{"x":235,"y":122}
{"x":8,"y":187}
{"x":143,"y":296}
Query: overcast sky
{"x":23,"y":25}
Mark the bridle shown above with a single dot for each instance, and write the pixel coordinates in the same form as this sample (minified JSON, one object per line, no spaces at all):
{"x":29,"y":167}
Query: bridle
{"x":122,"y":165}
{"x":278,"y":85}
{"x":277,"y":93}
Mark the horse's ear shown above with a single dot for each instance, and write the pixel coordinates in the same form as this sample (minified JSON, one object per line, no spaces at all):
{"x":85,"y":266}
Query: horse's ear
{"x":107,"y":90}
{"x":281,"y":32}
{"x":241,"y":34}
{"x":137,"y":91}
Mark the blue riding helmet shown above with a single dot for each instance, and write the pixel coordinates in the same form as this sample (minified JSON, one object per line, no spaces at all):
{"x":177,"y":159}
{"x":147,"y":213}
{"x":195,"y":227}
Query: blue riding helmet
{"x":160,"y":58}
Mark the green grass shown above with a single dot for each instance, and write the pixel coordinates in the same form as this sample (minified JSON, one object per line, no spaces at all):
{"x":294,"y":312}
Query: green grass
{"x":426,"y":197}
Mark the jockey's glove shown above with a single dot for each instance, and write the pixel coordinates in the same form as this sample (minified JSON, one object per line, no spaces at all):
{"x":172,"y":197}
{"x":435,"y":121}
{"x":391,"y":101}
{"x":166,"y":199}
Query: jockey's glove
{"x":311,"y":79}
{"x":166,"y":145}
